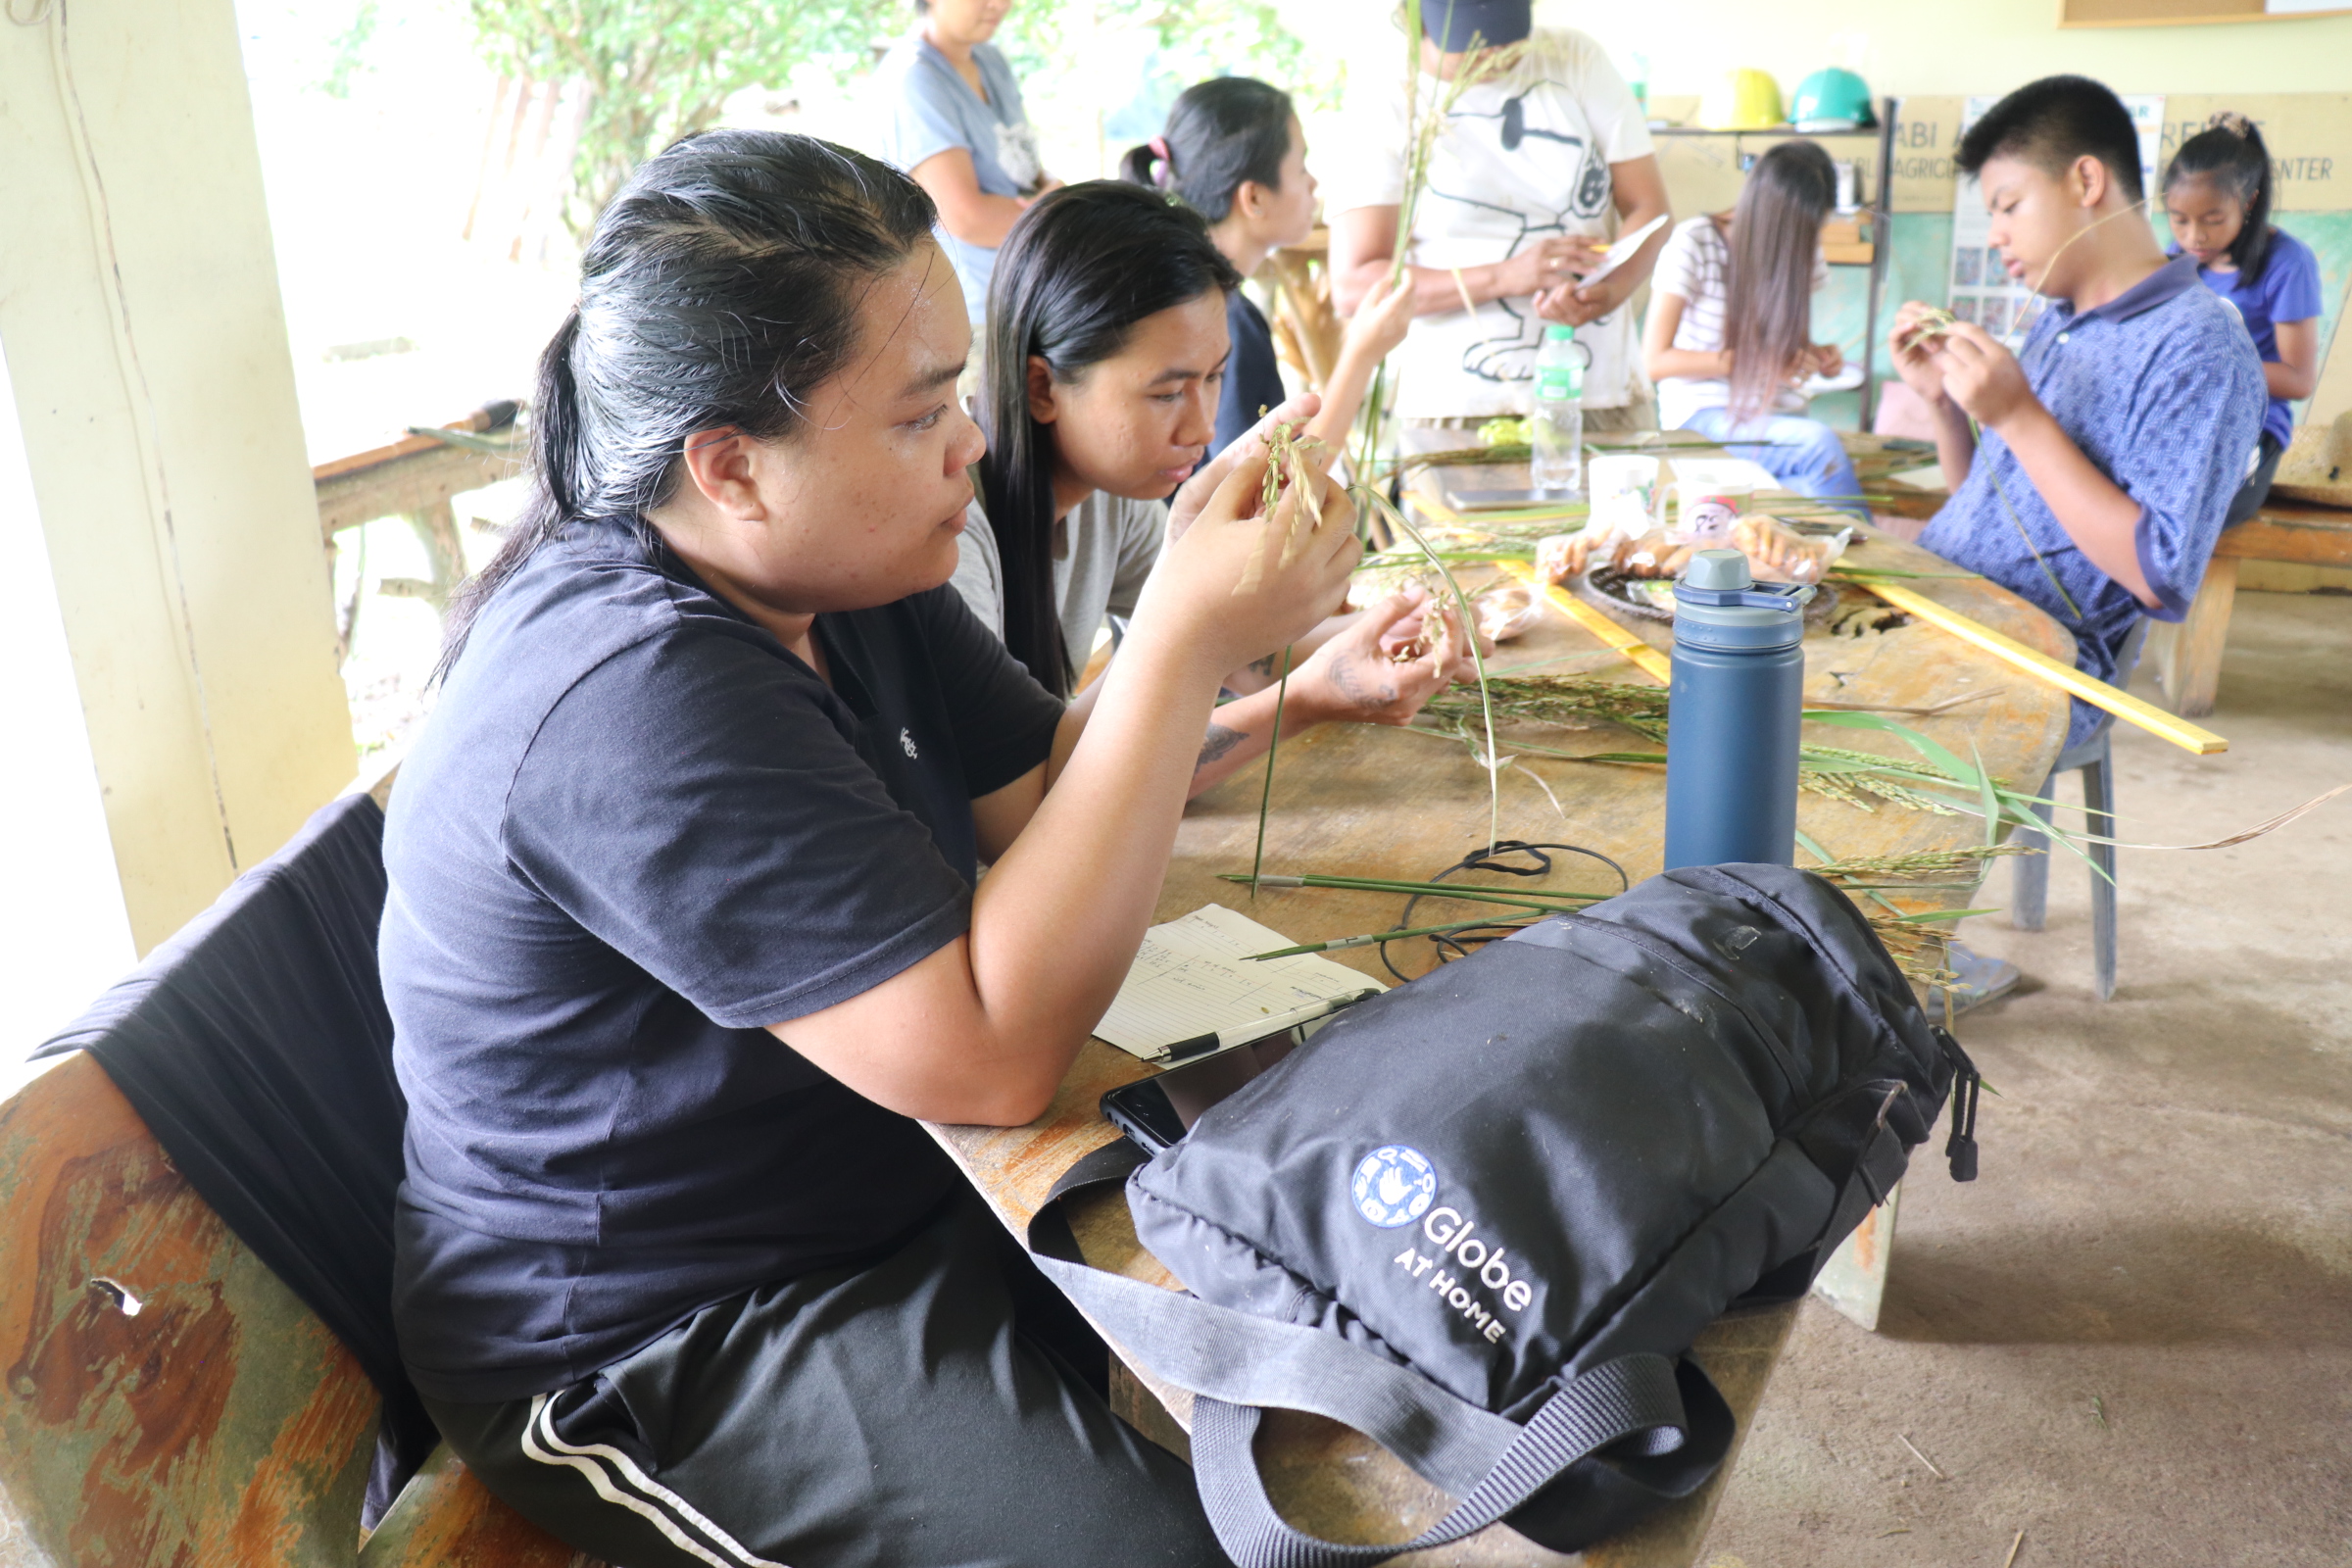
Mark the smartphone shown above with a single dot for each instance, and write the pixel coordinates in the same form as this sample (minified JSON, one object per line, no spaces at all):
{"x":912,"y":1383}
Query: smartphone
{"x":1158,"y":1112}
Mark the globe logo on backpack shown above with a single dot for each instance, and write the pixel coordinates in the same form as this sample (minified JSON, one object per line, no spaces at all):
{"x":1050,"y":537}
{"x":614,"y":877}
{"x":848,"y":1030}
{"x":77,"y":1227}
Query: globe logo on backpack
{"x":1394,"y":1186}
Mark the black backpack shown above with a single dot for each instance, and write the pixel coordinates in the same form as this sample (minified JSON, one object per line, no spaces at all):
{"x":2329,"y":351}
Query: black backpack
{"x":1481,"y":1217}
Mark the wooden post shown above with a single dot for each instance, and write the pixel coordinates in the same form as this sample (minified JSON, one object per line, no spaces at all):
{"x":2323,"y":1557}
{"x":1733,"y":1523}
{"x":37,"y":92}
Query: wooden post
{"x":2190,"y":663}
{"x":155,"y":395}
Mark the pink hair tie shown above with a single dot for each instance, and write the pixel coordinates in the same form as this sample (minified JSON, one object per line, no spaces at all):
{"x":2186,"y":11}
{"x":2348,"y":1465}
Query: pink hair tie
{"x":1167,"y":161}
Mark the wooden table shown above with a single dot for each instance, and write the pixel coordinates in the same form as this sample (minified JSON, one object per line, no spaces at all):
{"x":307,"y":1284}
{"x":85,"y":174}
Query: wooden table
{"x":1365,"y":800}
{"x":2188,"y":657}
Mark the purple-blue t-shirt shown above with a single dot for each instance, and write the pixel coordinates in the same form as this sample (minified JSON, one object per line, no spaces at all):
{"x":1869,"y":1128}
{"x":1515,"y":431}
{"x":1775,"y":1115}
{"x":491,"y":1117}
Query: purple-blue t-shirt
{"x":2287,"y":290}
{"x":635,"y":830}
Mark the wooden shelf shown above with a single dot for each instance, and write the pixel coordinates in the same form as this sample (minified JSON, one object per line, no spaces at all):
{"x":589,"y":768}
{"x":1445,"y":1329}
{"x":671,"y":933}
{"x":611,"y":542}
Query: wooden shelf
{"x":2174,"y":13}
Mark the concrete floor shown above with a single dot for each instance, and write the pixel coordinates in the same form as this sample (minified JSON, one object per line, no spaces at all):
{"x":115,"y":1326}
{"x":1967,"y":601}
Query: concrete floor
{"x":2132,"y":1338}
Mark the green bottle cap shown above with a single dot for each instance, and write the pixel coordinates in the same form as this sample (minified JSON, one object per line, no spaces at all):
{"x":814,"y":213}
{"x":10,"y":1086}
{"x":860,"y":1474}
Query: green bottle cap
{"x":1559,"y":332}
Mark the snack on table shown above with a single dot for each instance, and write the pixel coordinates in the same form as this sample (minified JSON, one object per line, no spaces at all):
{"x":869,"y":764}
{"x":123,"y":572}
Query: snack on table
{"x":1506,"y":611}
{"x":1505,"y":432}
{"x":1777,"y":553}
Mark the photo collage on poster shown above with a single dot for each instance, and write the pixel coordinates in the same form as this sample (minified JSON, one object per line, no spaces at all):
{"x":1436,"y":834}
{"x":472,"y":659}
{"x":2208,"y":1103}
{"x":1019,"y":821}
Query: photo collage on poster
{"x":1981,"y":290}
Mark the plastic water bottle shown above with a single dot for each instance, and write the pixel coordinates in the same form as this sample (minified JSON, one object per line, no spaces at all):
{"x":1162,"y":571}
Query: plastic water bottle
{"x":1557,"y":424}
{"x":1736,"y":702}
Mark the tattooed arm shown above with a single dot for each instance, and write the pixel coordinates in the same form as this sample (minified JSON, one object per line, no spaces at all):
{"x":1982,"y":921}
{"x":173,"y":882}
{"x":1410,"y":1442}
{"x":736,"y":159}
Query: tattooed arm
{"x":1355,"y":676}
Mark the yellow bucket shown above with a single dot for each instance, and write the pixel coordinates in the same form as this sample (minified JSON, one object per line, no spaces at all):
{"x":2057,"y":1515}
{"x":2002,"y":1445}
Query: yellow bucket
{"x":1746,"y":99}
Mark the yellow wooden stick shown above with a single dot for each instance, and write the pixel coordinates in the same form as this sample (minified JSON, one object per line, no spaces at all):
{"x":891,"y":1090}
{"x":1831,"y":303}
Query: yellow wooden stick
{"x":2123,"y":704}
{"x":1615,"y":637}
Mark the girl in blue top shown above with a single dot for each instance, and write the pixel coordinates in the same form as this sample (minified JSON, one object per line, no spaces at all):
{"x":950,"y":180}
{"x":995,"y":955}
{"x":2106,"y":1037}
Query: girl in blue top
{"x":2217,"y":192}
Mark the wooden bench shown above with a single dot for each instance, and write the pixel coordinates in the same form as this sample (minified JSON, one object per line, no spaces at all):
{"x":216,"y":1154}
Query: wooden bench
{"x":167,"y":1399}
{"x":2188,"y":657}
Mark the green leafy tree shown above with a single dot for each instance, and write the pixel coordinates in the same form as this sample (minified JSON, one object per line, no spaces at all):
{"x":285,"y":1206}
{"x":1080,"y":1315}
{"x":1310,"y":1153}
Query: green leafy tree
{"x":658,"y":69}
{"x":1193,"y":39}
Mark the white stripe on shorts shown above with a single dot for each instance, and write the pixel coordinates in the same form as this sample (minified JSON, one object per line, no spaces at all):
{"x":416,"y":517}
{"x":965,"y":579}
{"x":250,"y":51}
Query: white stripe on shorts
{"x":664,"y":1507}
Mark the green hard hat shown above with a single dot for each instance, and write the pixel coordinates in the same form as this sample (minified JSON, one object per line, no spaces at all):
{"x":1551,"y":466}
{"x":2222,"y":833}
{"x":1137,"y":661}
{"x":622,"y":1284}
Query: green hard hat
{"x":1835,"y":99}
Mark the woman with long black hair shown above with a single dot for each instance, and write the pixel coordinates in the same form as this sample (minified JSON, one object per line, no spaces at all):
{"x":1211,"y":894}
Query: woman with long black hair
{"x":1106,"y":350}
{"x":682,"y":930}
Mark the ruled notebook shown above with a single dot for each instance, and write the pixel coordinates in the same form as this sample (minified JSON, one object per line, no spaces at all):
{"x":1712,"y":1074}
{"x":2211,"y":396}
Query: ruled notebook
{"x":1192,"y":979}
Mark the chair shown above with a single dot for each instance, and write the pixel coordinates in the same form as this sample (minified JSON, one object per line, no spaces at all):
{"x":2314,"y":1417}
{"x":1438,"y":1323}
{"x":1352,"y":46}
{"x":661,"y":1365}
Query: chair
{"x":2029,"y":891}
{"x":195,"y":1253}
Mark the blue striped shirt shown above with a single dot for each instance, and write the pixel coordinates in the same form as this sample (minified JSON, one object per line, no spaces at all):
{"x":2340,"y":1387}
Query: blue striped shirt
{"x":2160,"y":389}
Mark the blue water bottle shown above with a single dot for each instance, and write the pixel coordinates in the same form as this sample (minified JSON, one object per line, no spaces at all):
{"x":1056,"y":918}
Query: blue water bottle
{"x":1739,"y":696}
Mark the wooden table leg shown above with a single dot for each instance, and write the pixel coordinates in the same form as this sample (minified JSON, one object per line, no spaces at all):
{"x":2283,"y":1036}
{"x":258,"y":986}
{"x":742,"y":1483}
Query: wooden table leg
{"x":1854,"y":1280}
{"x":2190,"y":667}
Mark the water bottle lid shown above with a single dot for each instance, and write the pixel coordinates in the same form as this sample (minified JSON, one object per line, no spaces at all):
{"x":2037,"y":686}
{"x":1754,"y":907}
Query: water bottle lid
{"x":1718,"y":569}
{"x":1559,"y":332}
{"x":1719,"y":603}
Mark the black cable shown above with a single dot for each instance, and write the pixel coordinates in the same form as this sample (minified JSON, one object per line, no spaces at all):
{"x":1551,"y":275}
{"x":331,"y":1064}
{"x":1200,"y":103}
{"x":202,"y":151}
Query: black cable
{"x":1453,"y":945}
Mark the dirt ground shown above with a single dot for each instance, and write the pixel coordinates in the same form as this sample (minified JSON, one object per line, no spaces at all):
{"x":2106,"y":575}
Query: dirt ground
{"x":2132,"y":1338}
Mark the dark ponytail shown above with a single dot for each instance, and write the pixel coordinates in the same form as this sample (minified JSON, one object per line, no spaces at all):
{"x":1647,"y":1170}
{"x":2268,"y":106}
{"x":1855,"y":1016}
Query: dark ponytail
{"x":719,"y":288}
{"x":2230,"y":151}
{"x":1079,"y":269}
{"x":1220,"y":132}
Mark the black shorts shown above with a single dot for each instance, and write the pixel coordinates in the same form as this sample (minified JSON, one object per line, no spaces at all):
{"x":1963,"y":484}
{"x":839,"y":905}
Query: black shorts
{"x":933,"y":1408}
{"x":2257,"y":489}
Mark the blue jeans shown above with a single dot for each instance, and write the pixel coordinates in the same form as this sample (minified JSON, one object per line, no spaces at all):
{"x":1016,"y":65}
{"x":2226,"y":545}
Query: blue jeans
{"x":1804,"y":455}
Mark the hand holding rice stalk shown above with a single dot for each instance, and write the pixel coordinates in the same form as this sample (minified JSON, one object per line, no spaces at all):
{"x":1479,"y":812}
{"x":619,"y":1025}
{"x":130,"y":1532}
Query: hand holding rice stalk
{"x":1288,"y":489}
{"x":1427,"y":103}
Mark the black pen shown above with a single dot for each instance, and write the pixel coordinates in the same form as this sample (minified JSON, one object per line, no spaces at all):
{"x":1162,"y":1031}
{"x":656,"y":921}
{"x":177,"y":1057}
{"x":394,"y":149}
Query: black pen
{"x":1260,"y":1028}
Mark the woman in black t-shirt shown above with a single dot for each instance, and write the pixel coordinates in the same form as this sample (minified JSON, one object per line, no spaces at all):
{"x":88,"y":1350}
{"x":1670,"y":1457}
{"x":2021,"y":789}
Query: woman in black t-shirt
{"x":682,"y":928}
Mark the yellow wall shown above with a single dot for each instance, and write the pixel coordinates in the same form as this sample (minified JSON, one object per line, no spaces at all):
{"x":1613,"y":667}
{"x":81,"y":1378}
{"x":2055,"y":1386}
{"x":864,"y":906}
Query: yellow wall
{"x":1913,"y":46}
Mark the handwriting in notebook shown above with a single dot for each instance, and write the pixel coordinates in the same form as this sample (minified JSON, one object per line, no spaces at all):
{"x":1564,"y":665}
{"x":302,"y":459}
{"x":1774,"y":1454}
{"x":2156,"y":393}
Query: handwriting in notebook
{"x":1191,"y":978}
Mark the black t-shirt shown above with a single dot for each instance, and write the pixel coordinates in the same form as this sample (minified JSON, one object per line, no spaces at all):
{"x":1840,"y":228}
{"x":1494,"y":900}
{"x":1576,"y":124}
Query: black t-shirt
{"x":634,"y":831}
{"x":1252,"y":376}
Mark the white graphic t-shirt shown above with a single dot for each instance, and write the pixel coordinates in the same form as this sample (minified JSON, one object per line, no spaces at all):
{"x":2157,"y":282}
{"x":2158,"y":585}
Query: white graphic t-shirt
{"x":1522,"y":158}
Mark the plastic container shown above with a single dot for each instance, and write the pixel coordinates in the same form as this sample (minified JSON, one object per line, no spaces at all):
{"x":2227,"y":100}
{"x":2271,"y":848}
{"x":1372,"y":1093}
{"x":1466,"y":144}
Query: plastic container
{"x":1556,"y":424}
{"x":1625,"y":491}
{"x":1739,"y":694}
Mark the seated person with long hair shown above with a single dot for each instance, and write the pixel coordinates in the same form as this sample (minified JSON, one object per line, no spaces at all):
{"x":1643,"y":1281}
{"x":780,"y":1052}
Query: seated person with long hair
{"x":2217,"y":197}
{"x":1106,"y":348}
{"x":1730,"y":336}
{"x":683,"y":931}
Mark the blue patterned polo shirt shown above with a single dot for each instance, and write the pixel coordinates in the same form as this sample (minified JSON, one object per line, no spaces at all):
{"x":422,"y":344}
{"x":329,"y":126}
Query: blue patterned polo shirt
{"x":2160,"y":389}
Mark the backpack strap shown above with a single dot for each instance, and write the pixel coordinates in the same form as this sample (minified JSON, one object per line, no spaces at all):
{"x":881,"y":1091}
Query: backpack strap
{"x":1235,"y":1363}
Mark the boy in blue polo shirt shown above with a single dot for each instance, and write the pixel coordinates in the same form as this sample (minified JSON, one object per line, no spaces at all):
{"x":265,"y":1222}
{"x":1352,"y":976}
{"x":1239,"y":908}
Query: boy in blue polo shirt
{"x":2090,"y":471}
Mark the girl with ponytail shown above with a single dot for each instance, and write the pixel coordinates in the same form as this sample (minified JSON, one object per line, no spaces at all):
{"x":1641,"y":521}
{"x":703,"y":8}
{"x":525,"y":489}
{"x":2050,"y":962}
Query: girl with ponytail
{"x":684,"y":927}
{"x":2216,"y":193}
{"x":1235,"y":152}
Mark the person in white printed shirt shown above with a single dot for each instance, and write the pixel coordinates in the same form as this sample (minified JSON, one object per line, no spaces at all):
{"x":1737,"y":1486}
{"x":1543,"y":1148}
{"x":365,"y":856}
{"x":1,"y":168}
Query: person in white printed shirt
{"x":1532,"y":175}
{"x":1729,"y":334}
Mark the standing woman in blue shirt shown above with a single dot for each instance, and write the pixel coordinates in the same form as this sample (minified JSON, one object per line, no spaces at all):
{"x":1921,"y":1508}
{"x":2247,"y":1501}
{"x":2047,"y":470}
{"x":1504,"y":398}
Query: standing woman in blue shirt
{"x":2217,"y":192}
{"x":954,"y":121}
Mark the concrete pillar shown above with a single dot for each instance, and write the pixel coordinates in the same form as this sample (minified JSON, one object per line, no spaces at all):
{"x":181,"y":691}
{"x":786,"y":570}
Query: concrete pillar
{"x":140,"y":320}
